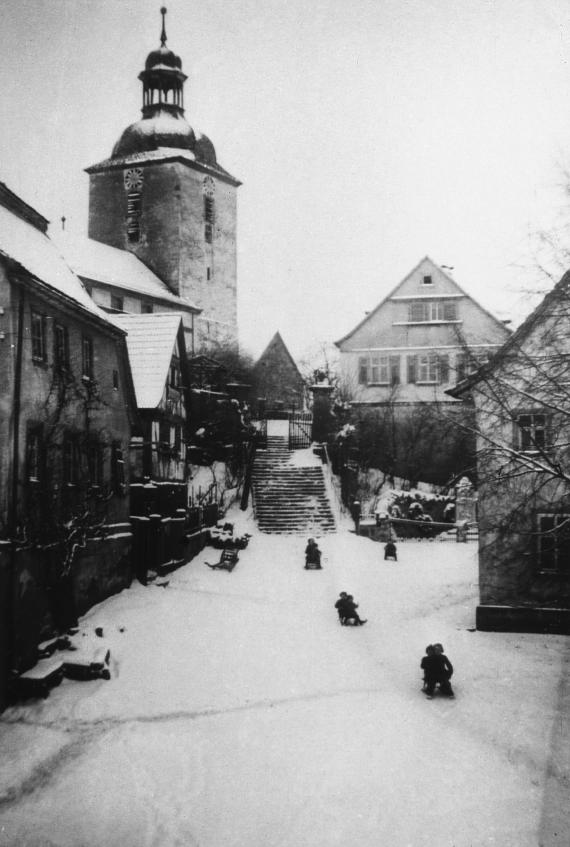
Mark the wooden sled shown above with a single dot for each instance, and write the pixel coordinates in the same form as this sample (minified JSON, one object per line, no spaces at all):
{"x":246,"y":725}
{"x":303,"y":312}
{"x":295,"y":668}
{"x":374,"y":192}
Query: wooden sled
{"x":228,"y":561}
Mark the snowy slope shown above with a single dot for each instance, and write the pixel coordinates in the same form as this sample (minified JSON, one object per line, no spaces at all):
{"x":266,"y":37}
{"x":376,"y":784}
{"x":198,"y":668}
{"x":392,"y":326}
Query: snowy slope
{"x":240,"y":713}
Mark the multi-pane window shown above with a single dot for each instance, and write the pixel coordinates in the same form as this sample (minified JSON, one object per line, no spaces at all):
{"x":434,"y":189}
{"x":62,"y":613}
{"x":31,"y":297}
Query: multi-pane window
{"x":117,"y":302}
{"x":134,"y":216}
{"x":531,"y":432}
{"x":39,"y":338}
{"x":34,"y":451}
{"x":174,"y":375}
{"x":428,"y":368}
{"x":87,"y":357}
{"x":429,"y":311}
{"x":379,"y":370}
{"x":553,"y":543}
{"x":61,"y":347}
{"x":71,"y":460}
{"x":95,"y":463}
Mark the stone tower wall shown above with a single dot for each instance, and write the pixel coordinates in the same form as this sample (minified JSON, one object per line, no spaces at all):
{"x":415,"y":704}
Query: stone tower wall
{"x":172,"y":234}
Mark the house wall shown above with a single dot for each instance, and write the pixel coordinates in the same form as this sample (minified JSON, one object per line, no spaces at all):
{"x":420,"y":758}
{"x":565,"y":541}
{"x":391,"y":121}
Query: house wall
{"x":388,"y":332}
{"x":172,"y":241}
{"x":58,"y":406}
{"x":516,"y":486}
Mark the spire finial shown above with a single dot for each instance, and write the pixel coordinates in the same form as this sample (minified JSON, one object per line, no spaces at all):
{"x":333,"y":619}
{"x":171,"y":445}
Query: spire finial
{"x":163,"y":33}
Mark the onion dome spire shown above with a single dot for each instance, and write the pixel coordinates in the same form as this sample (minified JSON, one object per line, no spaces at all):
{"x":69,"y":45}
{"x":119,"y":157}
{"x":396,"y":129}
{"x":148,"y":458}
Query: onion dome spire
{"x":162,"y":79}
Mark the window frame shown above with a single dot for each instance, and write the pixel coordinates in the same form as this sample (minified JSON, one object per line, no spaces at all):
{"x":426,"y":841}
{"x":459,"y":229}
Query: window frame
{"x":432,"y":311}
{"x":559,"y":555}
{"x":87,"y":361}
{"x":39,"y":339}
{"x":35,"y":459}
{"x":531,"y":445}
{"x":71,"y":460}
{"x":115,"y":299}
{"x":61,"y":347}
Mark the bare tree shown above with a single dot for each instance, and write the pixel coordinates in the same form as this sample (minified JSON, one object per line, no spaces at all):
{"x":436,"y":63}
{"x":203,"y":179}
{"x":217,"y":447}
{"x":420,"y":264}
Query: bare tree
{"x":522,"y":425}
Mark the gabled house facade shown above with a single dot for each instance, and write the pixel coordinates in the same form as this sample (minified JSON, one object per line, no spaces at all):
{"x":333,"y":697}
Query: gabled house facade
{"x":423,"y":337}
{"x":66,"y":412}
{"x":278,"y":379}
{"x":522,"y":402}
{"x":158,"y":454}
{"x":157,"y":355}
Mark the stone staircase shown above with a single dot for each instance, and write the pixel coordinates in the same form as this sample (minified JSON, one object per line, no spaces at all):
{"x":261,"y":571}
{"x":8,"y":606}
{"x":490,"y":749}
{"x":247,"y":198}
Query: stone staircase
{"x":289,"y":497}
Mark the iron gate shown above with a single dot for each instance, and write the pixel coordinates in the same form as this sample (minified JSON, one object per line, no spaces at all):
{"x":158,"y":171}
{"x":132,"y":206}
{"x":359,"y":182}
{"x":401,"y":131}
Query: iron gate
{"x":300,"y":430}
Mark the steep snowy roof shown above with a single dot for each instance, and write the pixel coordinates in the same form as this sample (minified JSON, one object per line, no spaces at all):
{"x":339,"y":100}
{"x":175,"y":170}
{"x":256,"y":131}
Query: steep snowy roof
{"x":108,"y":265}
{"x":40,"y":256}
{"x":150,"y":341}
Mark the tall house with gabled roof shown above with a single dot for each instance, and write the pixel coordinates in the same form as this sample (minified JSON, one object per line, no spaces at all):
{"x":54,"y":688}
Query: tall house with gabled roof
{"x":423,"y":337}
{"x":164,"y":196}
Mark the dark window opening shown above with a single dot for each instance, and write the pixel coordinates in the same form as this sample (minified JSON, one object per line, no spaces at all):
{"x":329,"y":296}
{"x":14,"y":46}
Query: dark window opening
{"x":87,"y":355}
{"x":117,"y":303}
{"x":427,"y":280}
{"x":208,"y":233}
{"x":117,"y":469}
{"x":39,"y":338}
{"x":208,"y":274}
{"x":34,"y":455}
{"x":95,"y":463}
{"x":532,"y":432}
{"x":71,"y":461}
{"x":116,"y":380}
{"x":134,"y":208}
{"x":553,"y":543}
{"x":61,"y":348}
{"x":146,"y":308}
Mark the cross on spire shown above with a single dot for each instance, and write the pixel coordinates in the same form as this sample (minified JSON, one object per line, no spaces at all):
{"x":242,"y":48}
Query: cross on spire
{"x":163,"y":33}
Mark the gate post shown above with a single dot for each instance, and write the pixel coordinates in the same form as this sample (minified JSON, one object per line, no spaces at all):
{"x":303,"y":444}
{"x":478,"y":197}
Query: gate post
{"x":322,"y":417}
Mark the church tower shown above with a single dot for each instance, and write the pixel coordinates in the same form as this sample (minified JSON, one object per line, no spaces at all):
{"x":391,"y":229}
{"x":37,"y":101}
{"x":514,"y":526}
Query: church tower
{"x":163,"y":195}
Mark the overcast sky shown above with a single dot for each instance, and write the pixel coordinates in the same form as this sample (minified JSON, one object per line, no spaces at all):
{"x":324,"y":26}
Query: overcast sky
{"x":367,"y":134}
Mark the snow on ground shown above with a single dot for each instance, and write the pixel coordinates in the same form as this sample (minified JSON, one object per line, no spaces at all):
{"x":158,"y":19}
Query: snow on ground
{"x":240,"y":713}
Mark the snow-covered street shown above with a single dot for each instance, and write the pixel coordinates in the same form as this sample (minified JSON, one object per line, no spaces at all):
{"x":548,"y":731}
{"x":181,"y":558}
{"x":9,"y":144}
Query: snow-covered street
{"x":240,"y":713}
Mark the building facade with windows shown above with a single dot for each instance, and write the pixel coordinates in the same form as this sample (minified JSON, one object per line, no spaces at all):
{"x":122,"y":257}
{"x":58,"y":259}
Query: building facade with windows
{"x":426,"y":335}
{"x":522,"y":398}
{"x":163,"y":196}
{"x":66,"y":411}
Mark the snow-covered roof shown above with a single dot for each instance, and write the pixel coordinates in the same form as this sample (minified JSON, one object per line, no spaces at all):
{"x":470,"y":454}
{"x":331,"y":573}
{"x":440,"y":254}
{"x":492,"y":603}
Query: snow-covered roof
{"x":108,"y":265}
{"x":41,"y":257}
{"x":162,"y":154}
{"x":150,"y":341}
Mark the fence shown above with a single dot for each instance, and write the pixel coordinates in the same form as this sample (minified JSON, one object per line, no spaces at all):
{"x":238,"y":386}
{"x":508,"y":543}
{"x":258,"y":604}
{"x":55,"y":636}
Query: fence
{"x":300,"y":430}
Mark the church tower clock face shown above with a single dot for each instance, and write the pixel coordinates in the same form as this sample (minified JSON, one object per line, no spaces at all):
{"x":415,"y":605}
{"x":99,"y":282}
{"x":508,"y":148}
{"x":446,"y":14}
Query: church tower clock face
{"x":133,"y":179}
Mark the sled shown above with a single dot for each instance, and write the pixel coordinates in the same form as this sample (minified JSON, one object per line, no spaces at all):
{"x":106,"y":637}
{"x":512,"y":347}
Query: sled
{"x":39,"y":680}
{"x":228,"y":561}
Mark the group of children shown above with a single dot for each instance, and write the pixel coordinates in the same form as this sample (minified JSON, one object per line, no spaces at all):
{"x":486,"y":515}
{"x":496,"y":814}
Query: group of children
{"x":346,"y":608}
{"x":437,"y":668}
